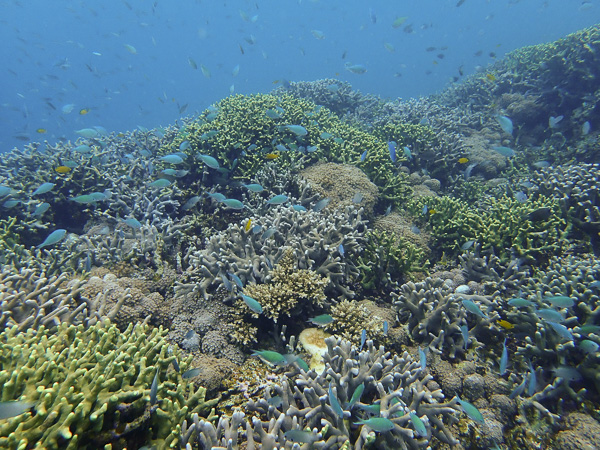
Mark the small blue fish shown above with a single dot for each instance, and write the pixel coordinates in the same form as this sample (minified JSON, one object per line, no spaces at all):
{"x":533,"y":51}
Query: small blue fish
{"x":209,"y":161}
{"x":560,"y":301}
{"x":274,"y":114}
{"x":358,"y":197}
{"x":335,"y":404}
{"x":506,"y":124}
{"x":298,"y":130}
{"x":217,"y":196}
{"x":191,"y":203}
{"x":418,"y":424}
{"x":407,"y":153}
{"x":254,"y":187}
{"x":172,"y":159}
{"x":586,"y":128}
{"x":191,"y":373}
{"x":519,"y":389}
{"x":378,"y":424}
{"x":423,"y":358}
{"x":363,"y":339}
{"x":471,"y":411}
{"x":473,"y":308}
{"x":252,"y":304}
{"x":133,"y":223}
{"x":278,"y":200}
{"x":268,"y":233}
{"x":83,"y":148}
{"x":519,"y":302}
{"x":363,"y":156}
{"x":208,"y":135}
{"x":14,"y":408}
{"x":550,"y":315}
{"x":301,"y":436}
{"x":321,"y":320}
{"x":561,"y":330}
{"x":154,"y":389}
{"x":39,"y":209}
{"x":467,"y":245}
{"x":424,"y":210}
{"x":504,"y":151}
{"x":465,"y":335}
{"x":325,"y":135}
{"x":160,"y":183}
{"x":521,"y":197}
{"x":358,"y":69}
{"x":392,"y":150}
{"x":88,"y":133}
{"x":356,"y":395}
{"x":341,"y":250}
{"x":232,"y":203}
{"x":554,"y":121}
{"x":321,"y":204}
{"x":532,"y":380}
{"x":43,"y":188}
{"x":53,"y":238}
{"x":184,"y":146}
{"x":589,"y":346}
{"x":385,"y":327}
{"x":236,"y":280}
{"x":226,"y":282}
{"x":503,"y":359}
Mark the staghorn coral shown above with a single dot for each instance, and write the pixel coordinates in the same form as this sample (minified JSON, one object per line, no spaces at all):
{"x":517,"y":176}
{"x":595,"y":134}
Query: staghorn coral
{"x":576,"y":187}
{"x":288,"y":289}
{"x":387,"y":259}
{"x":314,"y":236}
{"x":90,"y":387}
{"x":30,"y":299}
{"x":434,"y":314}
{"x":504,"y":226}
{"x":397,"y":382}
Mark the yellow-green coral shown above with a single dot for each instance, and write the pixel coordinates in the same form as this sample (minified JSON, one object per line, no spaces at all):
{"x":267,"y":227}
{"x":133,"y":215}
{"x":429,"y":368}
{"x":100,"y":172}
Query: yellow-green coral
{"x":245,"y":135}
{"x":505,"y":226}
{"x":288,"y":289}
{"x":388,"y":258}
{"x":91,"y":388}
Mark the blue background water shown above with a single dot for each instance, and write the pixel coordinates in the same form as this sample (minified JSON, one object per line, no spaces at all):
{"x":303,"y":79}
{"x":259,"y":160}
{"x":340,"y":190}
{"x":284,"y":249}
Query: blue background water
{"x":49,"y":61}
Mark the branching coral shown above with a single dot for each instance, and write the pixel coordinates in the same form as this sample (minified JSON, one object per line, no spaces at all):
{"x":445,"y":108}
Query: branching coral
{"x":321,"y":402}
{"x":91,"y":387}
{"x":289,"y":289}
{"x":387,"y":259}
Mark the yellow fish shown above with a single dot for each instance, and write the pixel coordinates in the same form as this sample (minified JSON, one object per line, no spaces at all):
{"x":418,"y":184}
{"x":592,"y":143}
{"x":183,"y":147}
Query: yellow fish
{"x":41,"y":130}
{"x":432,"y":211}
{"x":248,"y":225}
{"x":272,"y":155}
{"x":505,"y":324}
{"x":62,"y":169}
{"x":84,"y":111}
{"x":491,"y":77}
{"x":463,"y":160}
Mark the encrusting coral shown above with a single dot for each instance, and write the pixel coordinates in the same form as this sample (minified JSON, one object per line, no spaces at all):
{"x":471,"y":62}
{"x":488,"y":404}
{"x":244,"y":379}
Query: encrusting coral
{"x":91,"y":388}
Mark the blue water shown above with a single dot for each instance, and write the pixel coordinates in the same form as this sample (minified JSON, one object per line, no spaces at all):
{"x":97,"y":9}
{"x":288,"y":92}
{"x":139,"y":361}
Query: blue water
{"x":57,"y":53}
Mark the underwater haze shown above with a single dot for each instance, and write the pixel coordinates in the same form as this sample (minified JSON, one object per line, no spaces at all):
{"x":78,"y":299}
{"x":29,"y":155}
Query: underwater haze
{"x":122,"y":64}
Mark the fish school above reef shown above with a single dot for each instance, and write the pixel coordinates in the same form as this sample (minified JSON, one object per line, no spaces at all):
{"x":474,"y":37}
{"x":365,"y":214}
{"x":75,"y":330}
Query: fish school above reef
{"x":315,"y":268}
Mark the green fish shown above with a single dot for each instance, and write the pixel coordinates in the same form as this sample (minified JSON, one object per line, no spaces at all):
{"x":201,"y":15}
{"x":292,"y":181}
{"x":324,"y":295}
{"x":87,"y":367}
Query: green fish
{"x":252,"y":304}
{"x":378,"y":424}
{"x":270,"y":356}
{"x":471,"y":411}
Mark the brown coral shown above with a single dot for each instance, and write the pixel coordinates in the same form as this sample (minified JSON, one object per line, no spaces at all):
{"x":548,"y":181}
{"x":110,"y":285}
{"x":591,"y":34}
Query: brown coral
{"x":341,"y":183}
{"x":351,"y":317}
{"x":288,"y":288}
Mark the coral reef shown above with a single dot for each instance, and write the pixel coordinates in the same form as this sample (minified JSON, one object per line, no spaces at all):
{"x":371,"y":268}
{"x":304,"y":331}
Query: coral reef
{"x":314,"y":236}
{"x":92,"y":387}
{"x":322,"y":402}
